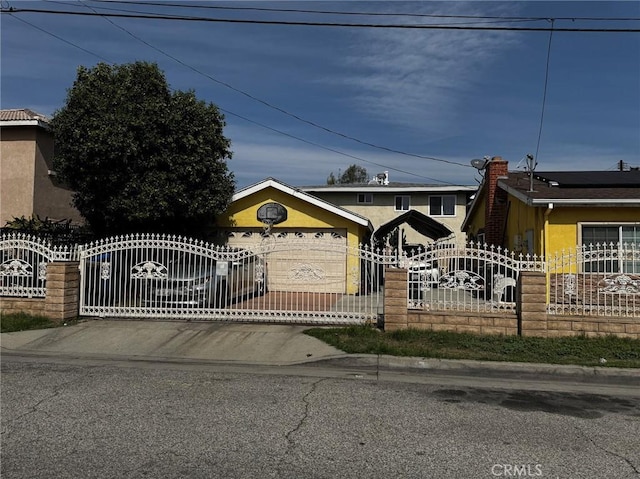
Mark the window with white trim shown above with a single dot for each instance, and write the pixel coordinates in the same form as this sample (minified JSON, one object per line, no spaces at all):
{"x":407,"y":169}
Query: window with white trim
{"x":442,"y":205}
{"x":403,"y":203}
{"x":626,"y":237}
{"x":365,"y":198}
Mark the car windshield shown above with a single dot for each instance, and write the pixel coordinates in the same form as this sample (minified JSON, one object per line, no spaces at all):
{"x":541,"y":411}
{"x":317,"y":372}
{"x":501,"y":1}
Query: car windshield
{"x":187,"y":267}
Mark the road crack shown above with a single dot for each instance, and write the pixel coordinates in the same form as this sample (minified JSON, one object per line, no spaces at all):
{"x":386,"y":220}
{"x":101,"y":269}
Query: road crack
{"x":604,"y":449}
{"x":305,"y":415}
{"x":289,"y":435}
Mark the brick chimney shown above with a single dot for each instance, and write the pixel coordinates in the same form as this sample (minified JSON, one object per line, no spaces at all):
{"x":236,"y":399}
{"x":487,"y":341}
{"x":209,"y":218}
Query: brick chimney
{"x":496,"y":205}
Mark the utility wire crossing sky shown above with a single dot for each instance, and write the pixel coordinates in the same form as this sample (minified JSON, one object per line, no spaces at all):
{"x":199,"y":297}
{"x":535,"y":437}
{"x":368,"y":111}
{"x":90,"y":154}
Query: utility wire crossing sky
{"x":415,"y":88}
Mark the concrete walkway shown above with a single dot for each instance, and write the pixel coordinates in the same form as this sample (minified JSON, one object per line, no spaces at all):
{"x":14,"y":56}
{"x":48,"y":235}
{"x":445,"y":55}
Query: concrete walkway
{"x":263,"y":344}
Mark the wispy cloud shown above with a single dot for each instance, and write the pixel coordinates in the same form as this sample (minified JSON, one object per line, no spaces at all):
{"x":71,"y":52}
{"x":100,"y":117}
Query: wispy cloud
{"x":417,"y":78}
{"x":299,"y":164}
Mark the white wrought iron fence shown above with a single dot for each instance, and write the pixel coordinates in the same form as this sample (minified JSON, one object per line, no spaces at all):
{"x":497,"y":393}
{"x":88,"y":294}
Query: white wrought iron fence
{"x":23,"y":264}
{"x":157,"y":276}
{"x":474,"y":278}
{"x":595,"y":280}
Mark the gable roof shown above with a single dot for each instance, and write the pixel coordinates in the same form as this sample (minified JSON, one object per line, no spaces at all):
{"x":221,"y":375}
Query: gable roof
{"x":420,"y":222}
{"x":306,"y":197}
{"x":23,"y":117}
{"x":566,"y":188}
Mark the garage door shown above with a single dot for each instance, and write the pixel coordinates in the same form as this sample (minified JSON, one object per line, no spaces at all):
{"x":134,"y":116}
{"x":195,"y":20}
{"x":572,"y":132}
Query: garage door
{"x":312,"y":260}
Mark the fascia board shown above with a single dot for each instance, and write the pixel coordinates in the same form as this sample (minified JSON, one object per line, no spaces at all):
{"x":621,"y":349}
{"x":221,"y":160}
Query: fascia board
{"x":39,"y":123}
{"x":586,"y":202}
{"x":568,"y":201}
{"x":390,"y":189}
{"x":362,"y":221}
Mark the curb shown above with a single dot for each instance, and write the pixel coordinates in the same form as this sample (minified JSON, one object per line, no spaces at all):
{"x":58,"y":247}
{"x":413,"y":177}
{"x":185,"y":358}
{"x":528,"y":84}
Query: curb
{"x":461,"y":367}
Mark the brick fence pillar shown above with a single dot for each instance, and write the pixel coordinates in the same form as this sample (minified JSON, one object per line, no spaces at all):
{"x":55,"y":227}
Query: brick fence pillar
{"x":63,"y":290}
{"x":531,"y":304}
{"x":395,"y":299}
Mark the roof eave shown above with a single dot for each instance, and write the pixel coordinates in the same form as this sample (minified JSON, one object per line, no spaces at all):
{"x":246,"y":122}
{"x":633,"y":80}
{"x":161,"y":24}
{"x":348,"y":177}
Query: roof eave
{"x":40,"y":123}
{"x":297,"y":193}
{"x":388,"y":189}
{"x":529,"y":201}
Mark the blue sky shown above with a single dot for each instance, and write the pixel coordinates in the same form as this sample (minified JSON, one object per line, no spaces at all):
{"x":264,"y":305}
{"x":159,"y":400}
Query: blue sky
{"x":452,"y":95}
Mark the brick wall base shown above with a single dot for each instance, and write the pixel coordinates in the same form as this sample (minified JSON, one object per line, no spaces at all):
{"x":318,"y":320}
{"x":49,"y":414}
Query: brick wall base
{"x":530,"y":319}
{"x":459,"y":322}
{"x":63,"y":294}
{"x":592,"y":326}
{"x":33,"y":306}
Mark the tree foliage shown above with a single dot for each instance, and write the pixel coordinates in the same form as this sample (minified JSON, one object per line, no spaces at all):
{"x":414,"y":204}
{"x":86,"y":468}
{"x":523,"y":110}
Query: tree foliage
{"x":139,"y":157}
{"x":353,"y":174}
{"x":57,"y":232}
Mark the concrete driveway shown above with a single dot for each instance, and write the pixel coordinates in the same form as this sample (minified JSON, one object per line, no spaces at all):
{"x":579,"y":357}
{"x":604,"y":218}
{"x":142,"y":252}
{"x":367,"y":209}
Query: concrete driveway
{"x":246,"y":343}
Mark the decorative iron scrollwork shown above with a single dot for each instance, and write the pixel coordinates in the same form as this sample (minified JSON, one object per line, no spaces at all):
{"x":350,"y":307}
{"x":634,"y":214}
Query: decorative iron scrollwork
{"x":306,"y":273}
{"x":105,"y":271}
{"x":16,"y":267}
{"x":42,"y":271}
{"x":466,"y":280}
{"x":149,"y":270}
{"x":620,"y":284}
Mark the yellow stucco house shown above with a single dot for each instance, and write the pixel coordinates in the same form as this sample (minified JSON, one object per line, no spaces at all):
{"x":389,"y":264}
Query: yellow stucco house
{"x":28,"y":185}
{"x":297,"y":230}
{"x":554,"y":211}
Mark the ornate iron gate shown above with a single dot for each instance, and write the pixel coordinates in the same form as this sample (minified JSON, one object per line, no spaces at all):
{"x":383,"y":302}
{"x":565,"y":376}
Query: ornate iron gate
{"x":153,"y":276}
{"x":23,"y":264}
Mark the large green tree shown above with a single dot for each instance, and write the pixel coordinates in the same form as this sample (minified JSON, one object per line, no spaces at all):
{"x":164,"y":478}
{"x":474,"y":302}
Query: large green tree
{"x":353,"y":174}
{"x":140,"y":157}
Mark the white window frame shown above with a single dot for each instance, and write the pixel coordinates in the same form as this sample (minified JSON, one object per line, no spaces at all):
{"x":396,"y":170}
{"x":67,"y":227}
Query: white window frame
{"x":364,"y":198}
{"x":455,"y":205}
{"x":606,"y":224}
{"x":395,"y":203}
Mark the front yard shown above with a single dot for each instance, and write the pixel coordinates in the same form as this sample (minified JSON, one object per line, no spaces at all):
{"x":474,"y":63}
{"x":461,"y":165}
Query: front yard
{"x":603,"y":351}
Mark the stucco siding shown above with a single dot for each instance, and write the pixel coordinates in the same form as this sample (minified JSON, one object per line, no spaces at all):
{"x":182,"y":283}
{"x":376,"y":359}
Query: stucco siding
{"x":564,"y":223}
{"x":17,"y":168}
{"x":50,"y":200}
{"x":382,"y":210}
{"x":523,"y":219}
{"x":299,"y":213}
{"x":27,"y":188}
{"x":305,"y":218}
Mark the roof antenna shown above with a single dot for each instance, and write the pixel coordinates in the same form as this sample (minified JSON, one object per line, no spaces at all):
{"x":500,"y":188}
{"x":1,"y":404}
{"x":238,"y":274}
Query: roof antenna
{"x":531,"y":168}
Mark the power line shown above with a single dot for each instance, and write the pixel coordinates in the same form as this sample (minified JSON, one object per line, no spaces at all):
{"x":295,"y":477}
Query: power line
{"x":229,"y":112}
{"x":544,"y":94}
{"x":379,"y":14}
{"x":14,"y":10}
{"x":475,"y":20}
{"x":60,"y":38}
{"x":283,"y":111}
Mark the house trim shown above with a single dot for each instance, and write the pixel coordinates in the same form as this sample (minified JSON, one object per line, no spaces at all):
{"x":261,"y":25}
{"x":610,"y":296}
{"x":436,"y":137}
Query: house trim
{"x":298,"y":193}
{"x":390,"y":189}
{"x":569,"y":201}
{"x":40,"y":123}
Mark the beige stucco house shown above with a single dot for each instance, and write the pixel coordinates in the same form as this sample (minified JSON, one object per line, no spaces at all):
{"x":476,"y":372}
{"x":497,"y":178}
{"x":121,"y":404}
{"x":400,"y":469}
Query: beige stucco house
{"x":425,"y":213}
{"x":28,"y":185}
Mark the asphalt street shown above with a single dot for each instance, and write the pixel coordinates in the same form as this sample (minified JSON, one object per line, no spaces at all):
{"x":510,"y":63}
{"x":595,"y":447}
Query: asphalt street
{"x":79,"y":417}
{"x":134,"y":399}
